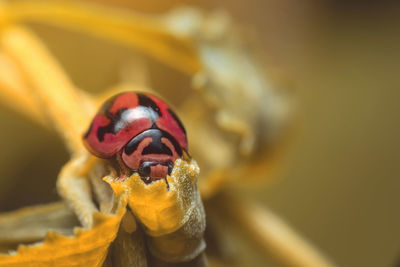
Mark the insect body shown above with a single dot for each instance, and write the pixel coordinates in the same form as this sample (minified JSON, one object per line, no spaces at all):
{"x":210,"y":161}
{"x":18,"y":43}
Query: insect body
{"x":140,"y":131}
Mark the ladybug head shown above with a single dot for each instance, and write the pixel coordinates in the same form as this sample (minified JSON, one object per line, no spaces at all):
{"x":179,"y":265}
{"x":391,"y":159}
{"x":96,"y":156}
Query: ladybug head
{"x":140,"y":131}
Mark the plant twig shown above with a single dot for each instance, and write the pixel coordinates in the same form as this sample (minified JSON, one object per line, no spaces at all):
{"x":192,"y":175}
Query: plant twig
{"x":14,"y":92}
{"x":273,"y":235}
{"x":145,"y":33}
{"x":53,"y":90}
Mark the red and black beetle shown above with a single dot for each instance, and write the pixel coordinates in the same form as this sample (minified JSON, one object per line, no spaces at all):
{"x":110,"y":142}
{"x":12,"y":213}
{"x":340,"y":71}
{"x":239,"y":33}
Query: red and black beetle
{"x":140,"y":131}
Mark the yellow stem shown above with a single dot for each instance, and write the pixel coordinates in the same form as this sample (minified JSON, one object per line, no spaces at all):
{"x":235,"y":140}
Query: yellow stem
{"x":14,"y":92}
{"x":147,"y":34}
{"x":273,"y":235}
{"x":51,"y":88}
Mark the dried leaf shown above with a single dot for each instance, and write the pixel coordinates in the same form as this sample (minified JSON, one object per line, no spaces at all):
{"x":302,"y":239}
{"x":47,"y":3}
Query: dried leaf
{"x":30,"y":224}
{"x":170,"y":211}
{"x":87,"y":248}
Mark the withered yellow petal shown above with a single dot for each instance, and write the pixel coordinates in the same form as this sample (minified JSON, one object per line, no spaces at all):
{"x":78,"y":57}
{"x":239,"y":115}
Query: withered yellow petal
{"x":87,"y":248}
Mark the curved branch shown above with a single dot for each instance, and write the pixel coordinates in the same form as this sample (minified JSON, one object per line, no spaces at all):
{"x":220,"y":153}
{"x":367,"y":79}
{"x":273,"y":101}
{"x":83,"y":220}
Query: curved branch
{"x":273,"y":235}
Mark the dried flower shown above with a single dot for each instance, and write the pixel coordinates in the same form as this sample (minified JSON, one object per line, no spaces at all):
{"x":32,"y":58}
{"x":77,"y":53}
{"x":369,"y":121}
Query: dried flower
{"x":233,"y":124}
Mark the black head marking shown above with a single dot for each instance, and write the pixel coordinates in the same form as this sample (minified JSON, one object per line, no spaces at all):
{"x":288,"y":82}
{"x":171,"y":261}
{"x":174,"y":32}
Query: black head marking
{"x":156,"y":146}
{"x":177,"y":147}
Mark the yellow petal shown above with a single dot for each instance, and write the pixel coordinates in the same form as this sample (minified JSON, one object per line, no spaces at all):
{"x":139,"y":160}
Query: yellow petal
{"x":86,"y":248}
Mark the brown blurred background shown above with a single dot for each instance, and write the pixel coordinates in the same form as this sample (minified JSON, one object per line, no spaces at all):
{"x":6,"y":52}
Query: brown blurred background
{"x":339,"y":182}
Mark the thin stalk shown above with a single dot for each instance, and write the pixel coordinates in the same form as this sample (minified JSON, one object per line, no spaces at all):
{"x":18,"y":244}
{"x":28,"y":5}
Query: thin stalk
{"x":275,"y":237}
{"x":51,"y":88}
{"x":145,"y":33}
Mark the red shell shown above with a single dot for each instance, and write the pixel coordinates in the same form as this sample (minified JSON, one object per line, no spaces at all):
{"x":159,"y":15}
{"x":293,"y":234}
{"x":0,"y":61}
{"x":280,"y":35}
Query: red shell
{"x":126,"y":115}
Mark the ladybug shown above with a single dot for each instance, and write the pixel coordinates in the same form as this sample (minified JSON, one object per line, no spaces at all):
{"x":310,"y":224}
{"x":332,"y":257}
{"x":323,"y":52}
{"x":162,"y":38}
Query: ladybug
{"x":140,"y":132}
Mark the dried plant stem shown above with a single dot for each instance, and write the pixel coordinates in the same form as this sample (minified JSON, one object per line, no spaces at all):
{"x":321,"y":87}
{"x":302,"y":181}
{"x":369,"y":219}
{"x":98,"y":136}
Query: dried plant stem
{"x":30,"y":224}
{"x":148,"y":34}
{"x":76,"y":190}
{"x":128,"y":249}
{"x":273,"y":235}
{"x":53,"y":89}
{"x":14,"y":92}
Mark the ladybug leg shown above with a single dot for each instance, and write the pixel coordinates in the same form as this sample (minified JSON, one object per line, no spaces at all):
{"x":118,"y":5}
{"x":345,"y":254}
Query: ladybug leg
{"x":170,"y":167}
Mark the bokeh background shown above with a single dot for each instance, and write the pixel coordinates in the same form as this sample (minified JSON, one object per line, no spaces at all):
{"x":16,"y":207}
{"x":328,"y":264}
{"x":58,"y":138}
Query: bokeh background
{"x":338,"y":183}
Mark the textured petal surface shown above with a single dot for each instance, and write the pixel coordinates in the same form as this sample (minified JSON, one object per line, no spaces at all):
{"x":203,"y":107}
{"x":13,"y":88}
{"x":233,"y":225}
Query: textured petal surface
{"x":87,"y":248}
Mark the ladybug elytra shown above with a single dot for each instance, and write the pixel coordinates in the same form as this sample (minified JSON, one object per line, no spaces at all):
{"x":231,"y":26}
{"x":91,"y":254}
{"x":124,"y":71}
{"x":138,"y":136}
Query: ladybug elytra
{"x":141,"y":132}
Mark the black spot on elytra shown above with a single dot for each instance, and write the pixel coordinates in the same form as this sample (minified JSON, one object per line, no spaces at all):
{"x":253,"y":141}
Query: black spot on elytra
{"x":104,"y":109}
{"x":177,"y":120}
{"x":110,"y":128}
{"x":86,"y":135}
{"x":146,"y":101}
